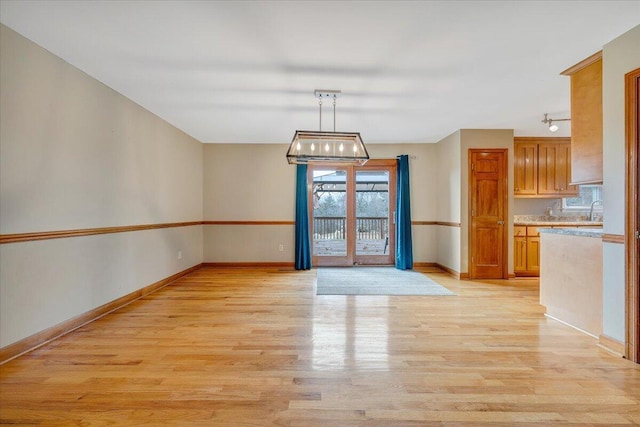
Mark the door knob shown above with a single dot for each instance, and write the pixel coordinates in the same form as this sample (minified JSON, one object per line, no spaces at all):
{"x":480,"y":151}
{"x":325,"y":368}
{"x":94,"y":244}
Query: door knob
{"x":500,"y":222}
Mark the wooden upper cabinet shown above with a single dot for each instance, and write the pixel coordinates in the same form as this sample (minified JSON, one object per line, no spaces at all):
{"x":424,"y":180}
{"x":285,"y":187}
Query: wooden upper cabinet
{"x":554,"y":170}
{"x":542,"y":167}
{"x":586,"y":120}
{"x":526,"y":169}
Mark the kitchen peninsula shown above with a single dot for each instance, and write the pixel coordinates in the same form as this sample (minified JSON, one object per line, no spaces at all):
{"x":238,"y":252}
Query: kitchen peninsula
{"x":571,"y":277}
{"x":526,"y":243}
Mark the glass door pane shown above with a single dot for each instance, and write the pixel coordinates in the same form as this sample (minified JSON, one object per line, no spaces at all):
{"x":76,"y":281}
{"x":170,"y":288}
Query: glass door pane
{"x":372,"y":216}
{"x":329,"y":198}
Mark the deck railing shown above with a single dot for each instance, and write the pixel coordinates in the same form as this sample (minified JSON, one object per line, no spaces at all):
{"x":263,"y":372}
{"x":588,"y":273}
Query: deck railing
{"x":372,"y":228}
{"x":334,"y":228}
{"x":329,"y":228}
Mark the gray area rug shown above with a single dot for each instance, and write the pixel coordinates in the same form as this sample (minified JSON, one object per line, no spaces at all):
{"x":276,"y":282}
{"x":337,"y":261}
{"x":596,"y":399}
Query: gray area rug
{"x":376,"y":281}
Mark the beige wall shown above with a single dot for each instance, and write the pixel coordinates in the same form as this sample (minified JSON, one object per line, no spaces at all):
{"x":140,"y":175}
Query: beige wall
{"x":248,"y":182}
{"x":453,"y":192}
{"x":448,"y":201}
{"x":76,"y":154}
{"x":522,"y":206}
{"x":254,"y":182}
{"x":620,"y":56}
{"x":46,"y":282}
{"x":448,"y":178}
{"x":422,"y":178}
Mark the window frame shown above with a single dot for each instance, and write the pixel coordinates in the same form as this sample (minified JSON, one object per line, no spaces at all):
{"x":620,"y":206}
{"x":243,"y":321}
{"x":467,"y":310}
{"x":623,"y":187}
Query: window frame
{"x":597,"y":194}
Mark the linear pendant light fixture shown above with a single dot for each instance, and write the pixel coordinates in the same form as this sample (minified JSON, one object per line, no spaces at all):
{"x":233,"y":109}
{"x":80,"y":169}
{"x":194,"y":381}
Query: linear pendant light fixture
{"x":324,"y":146}
{"x":552,"y":127}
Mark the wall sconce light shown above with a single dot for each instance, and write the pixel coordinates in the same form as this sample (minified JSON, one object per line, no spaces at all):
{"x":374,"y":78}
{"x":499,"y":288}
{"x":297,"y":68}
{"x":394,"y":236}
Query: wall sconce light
{"x":327,"y":147}
{"x":552,"y":127}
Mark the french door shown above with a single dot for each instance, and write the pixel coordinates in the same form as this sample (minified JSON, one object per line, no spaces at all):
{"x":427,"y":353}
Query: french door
{"x":352,"y":212}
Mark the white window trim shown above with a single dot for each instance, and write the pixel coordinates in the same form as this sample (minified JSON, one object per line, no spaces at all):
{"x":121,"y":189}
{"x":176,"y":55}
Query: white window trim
{"x":596,"y":208}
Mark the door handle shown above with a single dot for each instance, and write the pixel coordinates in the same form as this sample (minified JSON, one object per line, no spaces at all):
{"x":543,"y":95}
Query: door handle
{"x":500,"y":222}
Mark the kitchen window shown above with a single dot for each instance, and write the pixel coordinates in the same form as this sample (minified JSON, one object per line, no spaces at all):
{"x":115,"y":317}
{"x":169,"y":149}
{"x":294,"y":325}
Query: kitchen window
{"x":587,"y":194}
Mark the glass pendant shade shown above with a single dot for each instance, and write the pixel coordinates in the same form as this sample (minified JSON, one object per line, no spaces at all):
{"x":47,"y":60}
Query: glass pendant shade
{"x":327,"y":147}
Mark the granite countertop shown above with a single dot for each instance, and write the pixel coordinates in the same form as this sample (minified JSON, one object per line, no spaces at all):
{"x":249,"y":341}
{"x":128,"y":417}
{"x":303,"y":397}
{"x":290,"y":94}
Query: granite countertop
{"x":584,"y":232}
{"x":551,"y":223}
{"x":554,"y":220}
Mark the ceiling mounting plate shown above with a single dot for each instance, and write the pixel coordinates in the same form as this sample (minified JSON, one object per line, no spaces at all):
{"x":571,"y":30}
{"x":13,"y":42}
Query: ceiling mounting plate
{"x":327,"y":93}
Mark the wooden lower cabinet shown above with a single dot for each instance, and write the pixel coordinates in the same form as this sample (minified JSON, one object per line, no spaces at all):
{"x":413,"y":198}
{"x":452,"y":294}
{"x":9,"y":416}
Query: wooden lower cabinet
{"x":526,"y":250}
{"x":520,"y":254}
{"x":533,"y":255}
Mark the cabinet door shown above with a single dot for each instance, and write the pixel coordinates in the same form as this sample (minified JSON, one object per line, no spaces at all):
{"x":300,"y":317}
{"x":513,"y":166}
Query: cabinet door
{"x":563,"y":171}
{"x":554,"y":170}
{"x":533,"y":254}
{"x":547,"y":168}
{"x":525,"y":169}
{"x":520,"y":254}
{"x":586,"y":123}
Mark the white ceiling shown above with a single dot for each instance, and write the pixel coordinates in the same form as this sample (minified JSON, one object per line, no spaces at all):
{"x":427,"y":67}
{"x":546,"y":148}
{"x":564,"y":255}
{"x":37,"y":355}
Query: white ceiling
{"x":245,"y":71}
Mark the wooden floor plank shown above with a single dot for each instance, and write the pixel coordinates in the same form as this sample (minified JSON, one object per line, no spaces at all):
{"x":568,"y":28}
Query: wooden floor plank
{"x":256,"y":347}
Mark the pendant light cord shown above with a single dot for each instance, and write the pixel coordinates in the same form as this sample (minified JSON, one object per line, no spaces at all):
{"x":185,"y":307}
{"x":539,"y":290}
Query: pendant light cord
{"x":334,"y":112}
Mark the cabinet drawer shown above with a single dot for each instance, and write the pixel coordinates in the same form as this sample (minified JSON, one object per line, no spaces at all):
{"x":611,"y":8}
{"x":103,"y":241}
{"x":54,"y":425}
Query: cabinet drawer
{"x":519,"y":230}
{"x":533,"y":231}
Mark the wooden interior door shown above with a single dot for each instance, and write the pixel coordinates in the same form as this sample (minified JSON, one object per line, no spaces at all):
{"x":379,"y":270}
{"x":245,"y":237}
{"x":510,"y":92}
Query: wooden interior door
{"x":635,"y":257}
{"x":487,"y":213}
{"x":632,"y":95}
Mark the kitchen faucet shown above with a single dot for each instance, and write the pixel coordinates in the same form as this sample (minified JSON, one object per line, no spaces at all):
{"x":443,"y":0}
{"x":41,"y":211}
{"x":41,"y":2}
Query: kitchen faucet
{"x":591,"y":210}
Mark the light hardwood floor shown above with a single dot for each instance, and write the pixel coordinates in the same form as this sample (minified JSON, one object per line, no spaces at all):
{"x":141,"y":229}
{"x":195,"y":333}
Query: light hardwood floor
{"x":257,"y":347}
